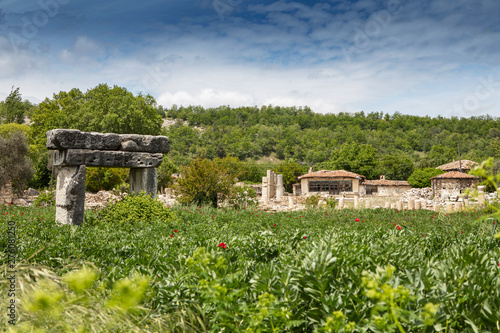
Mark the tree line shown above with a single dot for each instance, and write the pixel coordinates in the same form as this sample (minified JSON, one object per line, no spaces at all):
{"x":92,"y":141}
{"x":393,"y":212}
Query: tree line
{"x":249,"y":140}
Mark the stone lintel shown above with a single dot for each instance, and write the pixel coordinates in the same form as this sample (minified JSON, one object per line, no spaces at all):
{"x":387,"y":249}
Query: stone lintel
{"x":61,"y":139}
{"x":99,"y":158}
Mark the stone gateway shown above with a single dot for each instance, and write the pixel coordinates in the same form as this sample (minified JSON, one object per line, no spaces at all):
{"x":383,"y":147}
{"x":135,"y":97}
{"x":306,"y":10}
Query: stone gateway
{"x":75,"y":150}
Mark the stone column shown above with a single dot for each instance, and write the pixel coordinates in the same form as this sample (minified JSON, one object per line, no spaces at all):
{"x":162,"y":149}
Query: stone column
{"x":356,"y":200}
{"x":341,"y":203}
{"x":143,"y":179}
{"x":393,"y":206}
{"x":367,"y":204}
{"x":449,"y":207}
{"x":265,"y":188}
{"x":458,"y":206}
{"x":399,"y":205}
{"x":480,"y":198}
{"x":387,"y":205}
{"x":280,"y":188}
{"x":168,"y":193}
{"x":436,"y":207}
{"x":411,"y":204}
{"x":466,"y":203}
{"x":290,"y":202}
{"x":418,"y":204}
{"x":70,"y":195}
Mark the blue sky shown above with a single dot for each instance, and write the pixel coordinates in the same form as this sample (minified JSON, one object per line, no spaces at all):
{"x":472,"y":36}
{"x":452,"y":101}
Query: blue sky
{"x":428,"y":57}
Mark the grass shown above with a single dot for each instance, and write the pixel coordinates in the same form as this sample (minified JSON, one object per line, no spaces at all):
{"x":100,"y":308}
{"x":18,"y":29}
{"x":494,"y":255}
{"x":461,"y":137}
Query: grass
{"x":307,"y":271}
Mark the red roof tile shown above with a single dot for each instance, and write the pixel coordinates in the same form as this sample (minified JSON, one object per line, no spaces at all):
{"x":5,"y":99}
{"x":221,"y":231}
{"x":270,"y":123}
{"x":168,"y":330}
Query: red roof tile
{"x":385,"y":182}
{"x":455,"y":175}
{"x":332,"y":174}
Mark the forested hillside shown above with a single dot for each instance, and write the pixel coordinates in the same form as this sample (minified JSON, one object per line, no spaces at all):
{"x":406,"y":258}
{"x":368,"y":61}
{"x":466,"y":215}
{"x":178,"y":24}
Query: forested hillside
{"x":371,"y":144}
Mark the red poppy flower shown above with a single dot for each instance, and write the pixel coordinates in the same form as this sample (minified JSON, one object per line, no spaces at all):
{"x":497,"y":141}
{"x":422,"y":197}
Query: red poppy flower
{"x":175,"y":230}
{"x":222,"y":245}
{"x":398,"y":227}
{"x":305,"y":237}
{"x":171,"y":236}
{"x":356,"y":219}
{"x":274,"y":225}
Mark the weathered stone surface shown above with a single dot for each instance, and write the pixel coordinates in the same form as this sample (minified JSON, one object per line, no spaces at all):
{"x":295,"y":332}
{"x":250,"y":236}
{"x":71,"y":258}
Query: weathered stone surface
{"x":144,"y":179}
{"x":101,"y":158}
{"x":145,"y":143}
{"x":70,"y":195}
{"x":74,"y":139}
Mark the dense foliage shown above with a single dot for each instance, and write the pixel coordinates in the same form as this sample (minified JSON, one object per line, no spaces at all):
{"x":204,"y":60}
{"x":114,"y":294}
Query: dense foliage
{"x":371,"y":144}
{"x":133,"y":208}
{"x":214,"y":270}
{"x":15,"y":166}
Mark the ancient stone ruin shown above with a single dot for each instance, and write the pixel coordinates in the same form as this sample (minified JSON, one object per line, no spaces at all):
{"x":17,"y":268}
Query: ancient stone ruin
{"x":74,"y":150}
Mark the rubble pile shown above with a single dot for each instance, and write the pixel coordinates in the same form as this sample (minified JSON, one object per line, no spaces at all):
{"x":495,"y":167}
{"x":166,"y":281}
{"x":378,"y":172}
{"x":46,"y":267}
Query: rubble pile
{"x":99,"y":199}
{"x":417,"y":194}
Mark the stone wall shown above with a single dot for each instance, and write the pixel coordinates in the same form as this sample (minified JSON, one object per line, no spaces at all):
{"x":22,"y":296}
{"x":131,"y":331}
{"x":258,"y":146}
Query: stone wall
{"x":446,"y":187}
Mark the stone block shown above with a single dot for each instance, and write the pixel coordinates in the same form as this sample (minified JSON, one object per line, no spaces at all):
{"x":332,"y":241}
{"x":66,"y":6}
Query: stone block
{"x":70,"y":195}
{"x":61,"y":139}
{"x":99,"y":158}
{"x":143,"y":179}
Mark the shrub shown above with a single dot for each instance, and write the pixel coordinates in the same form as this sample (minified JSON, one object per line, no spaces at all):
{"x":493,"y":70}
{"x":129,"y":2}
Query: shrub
{"x":203,"y":182}
{"x":45,"y":199}
{"x":98,"y":179}
{"x":15,"y":164}
{"x":312,"y":201}
{"x":165,"y":171}
{"x":243,"y":196}
{"x":422,"y":177}
{"x":134,"y":208}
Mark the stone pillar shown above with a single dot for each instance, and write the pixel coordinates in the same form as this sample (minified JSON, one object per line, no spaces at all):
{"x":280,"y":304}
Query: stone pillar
{"x":279,"y":188}
{"x":411,"y":204}
{"x":418,"y":204}
{"x":70,"y":195}
{"x":168,"y":193}
{"x":341,"y":203}
{"x":265,"y":188}
{"x":458,"y":206}
{"x":367,"y":204}
{"x":466,"y":203}
{"x":143,"y":179}
{"x":449,"y":207}
{"x":290,"y":202}
{"x":393,"y":206}
{"x":356,"y":200}
{"x":436,"y":208}
{"x":399,"y":205}
{"x":480,"y":198}
{"x":271,"y":184}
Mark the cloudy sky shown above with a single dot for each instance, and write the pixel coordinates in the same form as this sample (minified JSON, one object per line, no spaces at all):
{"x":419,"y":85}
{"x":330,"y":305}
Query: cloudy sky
{"x":426,"y":57}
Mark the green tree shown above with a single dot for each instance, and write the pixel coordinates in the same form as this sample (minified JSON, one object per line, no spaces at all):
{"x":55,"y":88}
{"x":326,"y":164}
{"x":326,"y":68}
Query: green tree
{"x":290,"y":171}
{"x":13,"y":109}
{"x":358,"y":158}
{"x":204,"y":182}
{"x":100,"y":109}
{"x":397,"y":166}
{"x":422,"y":177}
{"x":15,"y":165}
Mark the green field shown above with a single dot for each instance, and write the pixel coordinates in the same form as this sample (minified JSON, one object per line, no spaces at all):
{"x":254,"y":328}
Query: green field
{"x":223,"y":270}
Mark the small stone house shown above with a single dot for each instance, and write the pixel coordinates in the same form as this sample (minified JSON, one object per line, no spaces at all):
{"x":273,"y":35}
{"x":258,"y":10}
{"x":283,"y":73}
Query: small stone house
{"x":384,"y":188}
{"x":465,"y":165}
{"x":335,"y":182}
{"x":452,"y":183}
